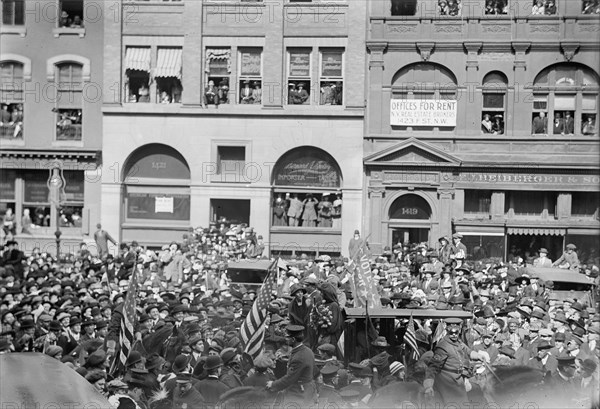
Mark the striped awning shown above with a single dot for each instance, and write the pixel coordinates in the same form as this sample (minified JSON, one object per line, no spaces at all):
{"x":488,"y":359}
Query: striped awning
{"x":168,"y":63}
{"x":138,"y":58}
{"x":536,"y":231}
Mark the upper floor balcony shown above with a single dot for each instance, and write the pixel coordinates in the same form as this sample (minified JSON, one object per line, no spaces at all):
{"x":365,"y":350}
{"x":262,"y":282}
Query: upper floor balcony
{"x":486,"y":20}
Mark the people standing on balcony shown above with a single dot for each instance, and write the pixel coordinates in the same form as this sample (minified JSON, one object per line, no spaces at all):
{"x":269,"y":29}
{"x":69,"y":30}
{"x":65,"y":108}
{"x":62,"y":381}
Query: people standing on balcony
{"x":337,"y":212}
{"x":279,"y":216}
{"x":540,"y":124}
{"x":26,"y":224}
{"x":325,"y":212}
{"x":309,"y":215}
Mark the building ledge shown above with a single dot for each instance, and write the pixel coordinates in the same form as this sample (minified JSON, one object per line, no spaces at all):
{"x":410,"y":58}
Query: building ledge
{"x":18,"y":30}
{"x":57,"y":32}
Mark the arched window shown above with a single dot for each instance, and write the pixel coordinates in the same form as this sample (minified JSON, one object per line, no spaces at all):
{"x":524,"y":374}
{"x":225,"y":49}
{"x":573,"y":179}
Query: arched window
{"x":69,"y":101}
{"x":565,"y":100}
{"x":410,"y":206}
{"x":424,"y":97}
{"x":493,"y":113}
{"x":11,"y":95}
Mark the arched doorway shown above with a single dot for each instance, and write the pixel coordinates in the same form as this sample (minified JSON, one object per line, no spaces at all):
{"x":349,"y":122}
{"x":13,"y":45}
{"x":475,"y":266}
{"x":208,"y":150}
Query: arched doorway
{"x":306,"y":203}
{"x":409,"y":220}
{"x":156,"y":195}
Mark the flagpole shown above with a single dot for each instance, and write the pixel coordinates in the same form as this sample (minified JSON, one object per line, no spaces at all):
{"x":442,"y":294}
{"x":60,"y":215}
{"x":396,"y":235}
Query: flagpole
{"x":367,"y":321}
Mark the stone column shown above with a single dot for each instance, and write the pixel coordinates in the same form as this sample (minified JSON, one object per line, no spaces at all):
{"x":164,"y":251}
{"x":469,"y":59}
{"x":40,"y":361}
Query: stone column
{"x":377,"y":119}
{"x":521,"y":107}
{"x":193,"y":55}
{"x":445,"y":196}
{"x":563,"y":206}
{"x":376,"y":240}
{"x":471,"y":104}
{"x":497,"y":205}
{"x":113,"y":55}
{"x":273,"y":72}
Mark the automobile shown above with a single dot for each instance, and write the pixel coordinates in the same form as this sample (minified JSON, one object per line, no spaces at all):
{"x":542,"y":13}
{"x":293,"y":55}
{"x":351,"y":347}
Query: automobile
{"x":249,"y":272}
{"x":386,"y":317}
{"x":35,"y":380}
{"x":567,"y":284}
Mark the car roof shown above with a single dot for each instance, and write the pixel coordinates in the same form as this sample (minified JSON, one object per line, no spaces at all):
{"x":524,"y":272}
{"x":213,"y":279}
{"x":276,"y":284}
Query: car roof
{"x":249,"y":265}
{"x":401,"y":312}
{"x":559,"y":275}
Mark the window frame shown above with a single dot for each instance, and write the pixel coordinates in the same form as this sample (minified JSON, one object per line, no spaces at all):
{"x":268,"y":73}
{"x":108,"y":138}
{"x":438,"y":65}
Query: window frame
{"x":296,"y":79}
{"x":13,"y":22}
{"x":74,"y":93}
{"x":241,"y":78}
{"x":11,"y":94}
{"x":323,"y":79}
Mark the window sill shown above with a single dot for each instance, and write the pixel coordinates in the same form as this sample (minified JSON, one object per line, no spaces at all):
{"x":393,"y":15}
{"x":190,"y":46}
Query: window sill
{"x":68,"y":31}
{"x":12,"y":142}
{"x":21,"y":31}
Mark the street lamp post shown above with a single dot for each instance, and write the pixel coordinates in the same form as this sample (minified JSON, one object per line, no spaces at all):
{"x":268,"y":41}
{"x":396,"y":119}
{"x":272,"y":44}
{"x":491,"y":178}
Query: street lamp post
{"x":56,"y":192}
{"x":57,"y":233}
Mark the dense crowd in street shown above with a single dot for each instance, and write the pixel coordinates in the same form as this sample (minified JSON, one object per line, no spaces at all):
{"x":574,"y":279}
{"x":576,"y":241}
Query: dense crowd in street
{"x":189,"y":351}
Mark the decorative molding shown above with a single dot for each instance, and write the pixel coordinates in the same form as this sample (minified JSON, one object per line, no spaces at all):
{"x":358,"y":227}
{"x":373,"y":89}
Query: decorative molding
{"x":589,"y":27}
{"x":53,"y":61}
{"x":425,"y":49}
{"x":401,"y":28}
{"x":495,"y":56}
{"x":496,"y":28}
{"x":449,"y":28}
{"x":569,"y":49}
{"x":544,"y":28}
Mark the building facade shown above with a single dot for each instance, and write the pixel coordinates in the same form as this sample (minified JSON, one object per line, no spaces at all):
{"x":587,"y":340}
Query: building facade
{"x":51,"y":96}
{"x":482,"y":120}
{"x":230,"y":111}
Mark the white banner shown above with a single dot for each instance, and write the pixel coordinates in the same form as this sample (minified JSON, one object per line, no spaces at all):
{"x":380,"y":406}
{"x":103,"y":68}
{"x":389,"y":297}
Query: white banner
{"x":423,"y":112}
{"x":163,"y":205}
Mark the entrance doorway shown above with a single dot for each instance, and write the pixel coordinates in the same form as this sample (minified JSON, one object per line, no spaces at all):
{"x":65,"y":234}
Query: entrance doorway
{"x":528,"y":245}
{"x":409,"y":235}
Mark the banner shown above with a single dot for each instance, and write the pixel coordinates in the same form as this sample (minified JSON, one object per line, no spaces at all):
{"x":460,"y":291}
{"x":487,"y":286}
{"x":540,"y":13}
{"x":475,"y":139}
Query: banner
{"x":423,"y":112}
{"x":365,"y":287}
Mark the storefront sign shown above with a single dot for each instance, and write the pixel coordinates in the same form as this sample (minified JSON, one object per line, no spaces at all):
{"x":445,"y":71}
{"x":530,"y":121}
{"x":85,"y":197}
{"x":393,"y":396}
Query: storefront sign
{"x":163,"y":205}
{"x":251,"y":63}
{"x":299,"y":64}
{"x":417,"y":177}
{"x":525,"y":178}
{"x":158,"y":207}
{"x":160,"y":166}
{"x":332,"y":65}
{"x":410,"y":207}
{"x":423,"y":112}
{"x":308,"y":172}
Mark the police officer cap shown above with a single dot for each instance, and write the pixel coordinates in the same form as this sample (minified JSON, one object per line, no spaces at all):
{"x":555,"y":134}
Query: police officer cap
{"x":329,"y":370}
{"x":294,"y":328}
{"x":354,"y":367}
{"x":565,"y":360}
{"x":453,"y":321}
{"x":349,"y":394}
{"x":330,"y":349}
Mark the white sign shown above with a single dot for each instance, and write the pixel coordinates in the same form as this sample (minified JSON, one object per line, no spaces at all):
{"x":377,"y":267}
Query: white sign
{"x":163,"y":205}
{"x":423,"y":112}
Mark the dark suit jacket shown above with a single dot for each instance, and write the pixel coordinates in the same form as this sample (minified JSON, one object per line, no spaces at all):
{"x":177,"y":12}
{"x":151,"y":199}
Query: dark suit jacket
{"x":300,"y":370}
{"x":211,"y":389}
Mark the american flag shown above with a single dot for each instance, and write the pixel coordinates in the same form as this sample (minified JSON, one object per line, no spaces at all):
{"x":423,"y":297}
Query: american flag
{"x":253,"y":328}
{"x":410,"y":338}
{"x":440,"y":332}
{"x":126,"y":334}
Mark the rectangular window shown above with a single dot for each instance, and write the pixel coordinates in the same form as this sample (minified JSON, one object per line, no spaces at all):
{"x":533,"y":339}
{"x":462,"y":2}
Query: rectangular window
{"x":307,"y":209}
{"x":525,"y":203}
{"x":217,"y":79}
{"x":585,"y":204}
{"x":539,"y":121}
{"x":543,"y":7}
{"x":478,"y":202}
{"x":484,"y":246}
{"x":231,"y":160}
{"x":299,"y":76}
{"x":228,"y":211}
{"x":69,"y":103}
{"x":590,"y":7}
{"x":13,"y":12}
{"x":404,"y":7}
{"x":250,"y":76}
{"x":496,"y":7}
{"x":492,"y":121}
{"x":331,"y":79}
{"x":70,"y":13}
{"x":168,"y":75}
{"x":137,"y":74}
{"x":158,"y":206}
{"x":451,"y":8}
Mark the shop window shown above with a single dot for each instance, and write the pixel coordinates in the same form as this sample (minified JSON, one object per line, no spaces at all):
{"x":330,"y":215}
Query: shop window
{"x":71,"y":211}
{"x":218,"y":71}
{"x":231,"y":160}
{"x":69,"y":115}
{"x":232,"y":211}
{"x":307,"y":209}
{"x":250,"y":76}
{"x":451,"y":8}
{"x":13,"y":12}
{"x":530,"y":204}
{"x":299,"y":76}
{"x":70,"y":13}
{"x":158,"y":206}
{"x":565,"y":100}
{"x":404,"y":7}
{"x":590,"y":7}
{"x":7,"y":196}
{"x":496,"y":7}
{"x":478,"y":202}
{"x":168,"y":76}
{"x":331,"y":79}
{"x":585,"y":204}
{"x":36,"y":197}
{"x":587,"y":247}
{"x":484,"y":246}
{"x":494,"y":89}
{"x":543,"y":7}
{"x":137,"y":74}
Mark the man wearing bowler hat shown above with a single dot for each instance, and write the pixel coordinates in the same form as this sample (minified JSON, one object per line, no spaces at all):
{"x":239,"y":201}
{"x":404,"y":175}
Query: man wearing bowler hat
{"x":449,"y":368}
{"x":542,"y":260}
{"x":298,"y":381}
{"x":212,"y":388}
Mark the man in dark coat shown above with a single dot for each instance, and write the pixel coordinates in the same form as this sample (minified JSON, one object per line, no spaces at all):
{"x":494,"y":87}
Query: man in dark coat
{"x":449,"y":367}
{"x":298,"y":381}
{"x":212,"y":388}
{"x":185,"y":395}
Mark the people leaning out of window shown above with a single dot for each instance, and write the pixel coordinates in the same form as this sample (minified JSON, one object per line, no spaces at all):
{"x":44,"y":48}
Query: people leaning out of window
{"x":66,"y":20}
{"x":449,"y":7}
{"x":543,"y":7}
{"x":496,"y":7}
{"x":493,"y":126}
{"x":591,"y":7}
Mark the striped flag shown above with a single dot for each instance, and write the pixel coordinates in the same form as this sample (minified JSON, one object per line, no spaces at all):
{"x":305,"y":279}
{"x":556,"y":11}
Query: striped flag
{"x":340,"y":345}
{"x":410,"y":338}
{"x":253,"y":328}
{"x":126,"y":334}
{"x":440,"y":332}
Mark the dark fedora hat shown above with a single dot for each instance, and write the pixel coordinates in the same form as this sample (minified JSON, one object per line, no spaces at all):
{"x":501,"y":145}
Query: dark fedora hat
{"x":212,"y":362}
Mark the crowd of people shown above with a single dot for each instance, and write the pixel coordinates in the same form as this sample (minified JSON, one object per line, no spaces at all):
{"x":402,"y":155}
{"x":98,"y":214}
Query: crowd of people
{"x":189,"y":351}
